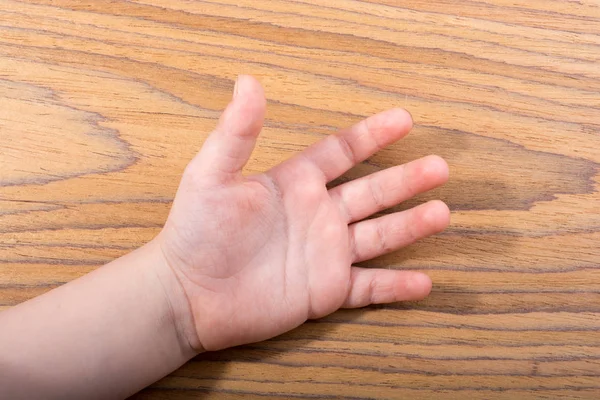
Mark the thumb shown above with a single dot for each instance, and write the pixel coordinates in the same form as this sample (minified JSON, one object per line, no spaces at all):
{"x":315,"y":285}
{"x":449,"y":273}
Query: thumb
{"x":230,"y":145}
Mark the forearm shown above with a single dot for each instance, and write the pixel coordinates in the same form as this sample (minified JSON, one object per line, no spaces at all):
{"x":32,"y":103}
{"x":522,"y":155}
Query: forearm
{"x":105,"y":335}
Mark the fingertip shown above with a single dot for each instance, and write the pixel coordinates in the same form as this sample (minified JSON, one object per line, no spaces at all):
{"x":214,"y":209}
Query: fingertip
{"x":390,"y":126}
{"x":420,"y":286}
{"x":402,"y":119}
{"x":245,"y":113}
{"x":436,"y":215}
{"x":248,"y":86}
{"x":437,"y":168}
{"x":411,"y":120}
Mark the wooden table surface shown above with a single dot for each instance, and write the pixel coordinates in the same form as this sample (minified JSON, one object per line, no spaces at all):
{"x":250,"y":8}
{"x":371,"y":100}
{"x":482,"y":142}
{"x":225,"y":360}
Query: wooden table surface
{"x":102,"y":104}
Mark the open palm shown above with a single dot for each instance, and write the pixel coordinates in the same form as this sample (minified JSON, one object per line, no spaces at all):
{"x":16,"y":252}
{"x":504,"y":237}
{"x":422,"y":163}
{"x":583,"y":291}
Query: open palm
{"x":257,"y":256}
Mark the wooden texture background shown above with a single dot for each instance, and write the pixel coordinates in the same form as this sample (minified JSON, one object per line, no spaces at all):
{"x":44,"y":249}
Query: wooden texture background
{"x":102,"y":104}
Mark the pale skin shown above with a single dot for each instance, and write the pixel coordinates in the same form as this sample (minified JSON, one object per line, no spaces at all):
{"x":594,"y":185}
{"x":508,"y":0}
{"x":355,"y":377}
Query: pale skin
{"x":240,"y":259}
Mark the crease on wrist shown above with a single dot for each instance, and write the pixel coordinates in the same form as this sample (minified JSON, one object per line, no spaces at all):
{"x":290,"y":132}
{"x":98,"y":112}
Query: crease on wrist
{"x":184,"y":324}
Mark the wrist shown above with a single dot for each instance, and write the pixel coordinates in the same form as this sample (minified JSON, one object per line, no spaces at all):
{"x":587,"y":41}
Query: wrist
{"x":176,"y":301}
{"x":124,"y":323}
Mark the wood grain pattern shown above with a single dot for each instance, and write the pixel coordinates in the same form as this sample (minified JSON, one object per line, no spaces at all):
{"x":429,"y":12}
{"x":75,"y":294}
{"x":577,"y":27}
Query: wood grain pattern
{"x":102,"y":104}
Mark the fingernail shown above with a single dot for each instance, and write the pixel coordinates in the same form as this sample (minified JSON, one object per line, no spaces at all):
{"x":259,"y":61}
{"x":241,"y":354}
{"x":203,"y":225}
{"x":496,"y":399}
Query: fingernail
{"x":235,"y":87}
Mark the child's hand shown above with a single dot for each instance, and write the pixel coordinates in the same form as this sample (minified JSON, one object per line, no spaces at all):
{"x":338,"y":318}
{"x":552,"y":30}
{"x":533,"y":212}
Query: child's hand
{"x":257,"y":256}
{"x":240,"y":259}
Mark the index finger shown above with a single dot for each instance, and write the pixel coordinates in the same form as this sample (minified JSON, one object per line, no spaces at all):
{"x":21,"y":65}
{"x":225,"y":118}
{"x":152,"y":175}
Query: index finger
{"x":337,"y":153}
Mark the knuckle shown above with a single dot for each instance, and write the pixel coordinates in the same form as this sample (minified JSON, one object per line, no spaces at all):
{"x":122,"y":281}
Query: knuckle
{"x":346,"y":148}
{"x":377,"y":193}
{"x":382,"y":239}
